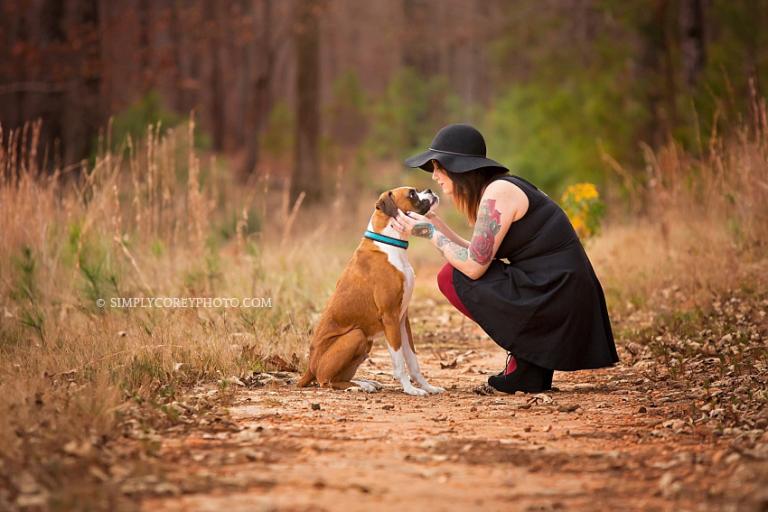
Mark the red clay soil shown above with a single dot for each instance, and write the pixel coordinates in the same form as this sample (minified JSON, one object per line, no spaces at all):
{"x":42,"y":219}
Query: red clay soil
{"x":603,"y":439}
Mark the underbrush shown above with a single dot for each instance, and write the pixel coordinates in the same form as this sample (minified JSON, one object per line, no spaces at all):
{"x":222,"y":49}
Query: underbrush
{"x":161,"y":220}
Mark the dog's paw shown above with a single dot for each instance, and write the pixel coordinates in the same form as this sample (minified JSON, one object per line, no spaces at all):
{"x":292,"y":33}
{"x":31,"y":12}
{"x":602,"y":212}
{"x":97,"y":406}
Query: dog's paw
{"x":366,"y":385}
{"x":415,"y":391}
{"x":433,"y":389}
{"x":377,"y":385}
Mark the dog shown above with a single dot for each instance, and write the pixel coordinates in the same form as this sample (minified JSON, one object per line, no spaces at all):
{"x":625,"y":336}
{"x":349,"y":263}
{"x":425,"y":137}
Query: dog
{"x":371,"y":298}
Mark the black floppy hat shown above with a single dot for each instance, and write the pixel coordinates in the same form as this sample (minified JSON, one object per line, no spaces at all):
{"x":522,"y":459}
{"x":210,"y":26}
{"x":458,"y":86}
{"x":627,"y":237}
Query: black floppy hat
{"x":458,"y":148}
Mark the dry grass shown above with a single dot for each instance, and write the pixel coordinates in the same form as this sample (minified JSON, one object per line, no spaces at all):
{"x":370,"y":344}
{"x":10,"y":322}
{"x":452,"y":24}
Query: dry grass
{"x":160,"y":219}
{"x":700,"y":225}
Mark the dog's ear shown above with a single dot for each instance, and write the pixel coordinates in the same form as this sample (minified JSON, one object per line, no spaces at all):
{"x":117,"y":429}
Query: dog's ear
{"x":387,"y":205}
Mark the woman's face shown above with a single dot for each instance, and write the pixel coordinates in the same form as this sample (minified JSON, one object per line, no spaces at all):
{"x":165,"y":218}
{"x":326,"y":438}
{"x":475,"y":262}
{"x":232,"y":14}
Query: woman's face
{"x":442,"y":179}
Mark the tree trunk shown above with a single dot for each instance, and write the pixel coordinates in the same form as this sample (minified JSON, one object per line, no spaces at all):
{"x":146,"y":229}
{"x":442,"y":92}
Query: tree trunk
{"x":421,"y":55}
{"x":693,"y":44}
{"x":261,"y":66}
{"x":658,"y":73}
{"x":214,"y":54}
{"x":306,"y":171}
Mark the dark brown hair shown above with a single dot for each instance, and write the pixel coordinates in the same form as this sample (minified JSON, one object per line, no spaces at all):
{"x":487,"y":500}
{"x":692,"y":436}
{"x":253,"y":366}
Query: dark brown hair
{"x":468,"y":188}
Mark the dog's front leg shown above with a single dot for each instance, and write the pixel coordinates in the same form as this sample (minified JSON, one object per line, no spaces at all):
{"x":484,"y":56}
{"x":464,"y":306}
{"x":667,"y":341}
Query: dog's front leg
{"x":411,"y":360}
{"x":395,"y":376}
{"x":395,"y":341}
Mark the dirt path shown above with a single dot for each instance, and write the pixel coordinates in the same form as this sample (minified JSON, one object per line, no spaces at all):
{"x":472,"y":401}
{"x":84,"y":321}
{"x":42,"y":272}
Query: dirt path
{"x":608,"y":438}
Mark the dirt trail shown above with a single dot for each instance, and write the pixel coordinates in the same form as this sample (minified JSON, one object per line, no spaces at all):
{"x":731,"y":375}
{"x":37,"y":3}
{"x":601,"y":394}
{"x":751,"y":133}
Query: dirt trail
{"x":607,"y":437}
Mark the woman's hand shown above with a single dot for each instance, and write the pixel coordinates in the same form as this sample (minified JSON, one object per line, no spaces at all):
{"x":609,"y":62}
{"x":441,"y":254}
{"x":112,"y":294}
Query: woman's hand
{"x":413,"y":224}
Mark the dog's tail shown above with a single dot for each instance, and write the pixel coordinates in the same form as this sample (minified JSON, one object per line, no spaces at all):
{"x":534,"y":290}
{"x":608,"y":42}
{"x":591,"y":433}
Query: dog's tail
{"x":306,"y":379}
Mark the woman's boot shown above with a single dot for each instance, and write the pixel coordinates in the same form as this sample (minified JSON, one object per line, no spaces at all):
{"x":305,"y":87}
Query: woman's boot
{"x":522,"y":376}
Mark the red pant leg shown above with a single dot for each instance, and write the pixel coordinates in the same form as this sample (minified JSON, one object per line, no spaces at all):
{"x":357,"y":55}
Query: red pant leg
{"x":445,"y":283}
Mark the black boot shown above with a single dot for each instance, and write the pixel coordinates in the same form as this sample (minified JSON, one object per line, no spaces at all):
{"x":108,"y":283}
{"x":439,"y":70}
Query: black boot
{"x":548,"y":381}
{"x":527,"y":377}
{"x":506,"y":365}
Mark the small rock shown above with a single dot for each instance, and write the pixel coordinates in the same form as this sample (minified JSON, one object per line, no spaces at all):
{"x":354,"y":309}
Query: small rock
{"x":567,"y":408}
{"x":388,"y":407}
{"x":315,"y":407}
{"x":484,"y":389}
{"x":668,"y":486}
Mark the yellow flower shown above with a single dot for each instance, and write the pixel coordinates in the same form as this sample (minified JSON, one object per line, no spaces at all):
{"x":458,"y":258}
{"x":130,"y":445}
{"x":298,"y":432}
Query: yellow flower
{"x":578,"y":225}
{"x":581,"y":201}
{"x":580,"y":192}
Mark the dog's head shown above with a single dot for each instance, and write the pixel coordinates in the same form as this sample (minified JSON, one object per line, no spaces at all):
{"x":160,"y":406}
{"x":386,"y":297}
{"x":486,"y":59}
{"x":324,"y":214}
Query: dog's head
{"x":407,"y":199}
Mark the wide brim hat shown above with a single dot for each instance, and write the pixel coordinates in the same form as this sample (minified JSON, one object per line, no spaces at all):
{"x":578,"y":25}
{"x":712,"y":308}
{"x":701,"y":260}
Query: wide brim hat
{"x":458,"y":147}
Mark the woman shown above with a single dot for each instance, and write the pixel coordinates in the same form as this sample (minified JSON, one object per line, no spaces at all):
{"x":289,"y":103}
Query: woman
{"x":545,"y":306}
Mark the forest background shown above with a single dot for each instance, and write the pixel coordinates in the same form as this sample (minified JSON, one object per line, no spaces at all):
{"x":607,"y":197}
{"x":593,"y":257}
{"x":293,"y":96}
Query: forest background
{"x":204,"y":148}
{"x":306,"y":88}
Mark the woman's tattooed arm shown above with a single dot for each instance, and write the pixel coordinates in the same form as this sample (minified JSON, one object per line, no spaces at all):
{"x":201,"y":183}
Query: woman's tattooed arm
{"x":423,"y":229}
{"x":446,"y":245}
{"x":486,"y":228}
{"x":472,"y":260}
{"x":450,"y":249}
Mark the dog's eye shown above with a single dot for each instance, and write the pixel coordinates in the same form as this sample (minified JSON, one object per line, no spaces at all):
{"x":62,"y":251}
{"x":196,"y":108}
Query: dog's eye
{"x":412,"y":193}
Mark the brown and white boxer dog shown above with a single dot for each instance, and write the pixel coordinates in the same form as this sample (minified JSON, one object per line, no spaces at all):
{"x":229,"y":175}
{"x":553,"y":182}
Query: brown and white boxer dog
{"x":371,"y":298}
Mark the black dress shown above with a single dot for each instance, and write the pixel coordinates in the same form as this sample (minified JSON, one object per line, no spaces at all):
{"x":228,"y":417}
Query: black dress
{"x":546,"y":305}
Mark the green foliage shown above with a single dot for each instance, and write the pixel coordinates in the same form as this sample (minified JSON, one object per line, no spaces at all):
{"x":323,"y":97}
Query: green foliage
{"x":228,"y":227}
{"x":157,"y":248}
{"x":137,"y":118}
{"x":405,"y":118}
{"x":25,"y":292}
{"x":98,"y":269}
{"x":143,"y":369}
{"x":149,"y":112}
{"x":551,"y":132}
{"x":206,"y":278}
{"x":277,"y":141}
{"x":347,"y":122}
{"x":610,"y":77}
{"x":26,"y":288}
{"x":347,"y":108}
{"x":582,"y":203}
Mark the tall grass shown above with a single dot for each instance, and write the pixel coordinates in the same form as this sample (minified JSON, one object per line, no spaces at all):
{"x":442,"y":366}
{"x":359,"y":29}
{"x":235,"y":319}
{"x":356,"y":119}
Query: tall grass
{"x":155,"y":219}
{"x":699,"y":225}
{"x":158,"y":218}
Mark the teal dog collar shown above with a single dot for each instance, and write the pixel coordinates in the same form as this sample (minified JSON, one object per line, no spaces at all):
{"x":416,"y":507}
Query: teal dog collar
{"x":403,"y":244}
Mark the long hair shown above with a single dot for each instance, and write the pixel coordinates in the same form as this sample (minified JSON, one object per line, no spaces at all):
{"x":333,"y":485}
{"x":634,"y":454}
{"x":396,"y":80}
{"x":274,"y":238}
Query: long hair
{"x":468,"y":188}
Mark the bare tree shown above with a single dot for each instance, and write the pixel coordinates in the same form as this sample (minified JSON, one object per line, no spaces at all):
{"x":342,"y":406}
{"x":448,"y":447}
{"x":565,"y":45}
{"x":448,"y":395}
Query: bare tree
{"x":261,"y":62}
{"x":693,"y":44}
{"x":306,"y":171}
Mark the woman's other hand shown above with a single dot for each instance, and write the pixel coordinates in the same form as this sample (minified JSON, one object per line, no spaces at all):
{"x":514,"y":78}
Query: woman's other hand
{"x":413,"y":224}
{"x":432,"y":212}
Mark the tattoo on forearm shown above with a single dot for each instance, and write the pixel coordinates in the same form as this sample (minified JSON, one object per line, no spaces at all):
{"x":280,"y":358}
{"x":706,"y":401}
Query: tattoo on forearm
{"x":423,"y":229}
{"x":486,"y":228}
{"x":459,"y":252}
{"x":449,"y":247}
